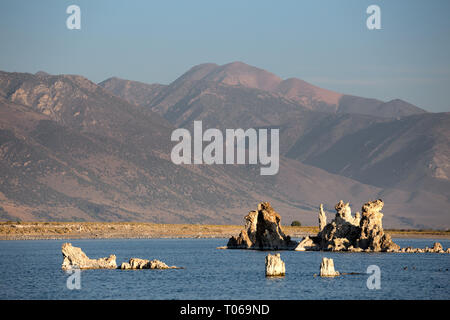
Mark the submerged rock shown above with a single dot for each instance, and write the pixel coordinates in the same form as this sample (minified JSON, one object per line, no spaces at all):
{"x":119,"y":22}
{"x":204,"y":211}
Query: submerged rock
{"x":274,"y":266}
{"x":136,"y":263}
{"x":74,"y":257}
{"x":327,"y":268}
{"x":437,"y":248}
{"x":262,"y":231}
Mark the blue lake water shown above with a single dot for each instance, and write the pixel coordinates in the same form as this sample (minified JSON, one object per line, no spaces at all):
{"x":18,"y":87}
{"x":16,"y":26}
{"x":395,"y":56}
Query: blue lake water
{"x":32,"y":270}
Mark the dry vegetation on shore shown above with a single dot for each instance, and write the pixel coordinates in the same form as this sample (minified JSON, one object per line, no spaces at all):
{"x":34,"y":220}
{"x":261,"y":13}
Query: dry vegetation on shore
{"x":107,"y":230}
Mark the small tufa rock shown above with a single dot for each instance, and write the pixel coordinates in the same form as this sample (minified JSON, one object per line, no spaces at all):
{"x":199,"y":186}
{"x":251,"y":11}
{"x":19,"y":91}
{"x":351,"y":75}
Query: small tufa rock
{"x":437,"y":248}
{"x":75,"y":257}
{"x":352,"y":249}
{"x":136,"y":263}
{"x":327,"y":268}
{"x":274,"y":266}
{"x":307,"y":244}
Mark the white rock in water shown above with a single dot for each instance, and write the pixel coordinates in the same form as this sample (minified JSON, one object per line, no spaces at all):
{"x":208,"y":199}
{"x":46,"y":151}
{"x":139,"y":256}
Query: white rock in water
{"x":274,"y":265}
{"x":307,"y":244}
{"x":327,"y":268}
{"x":75,"y":257}
{"x":136,"y":263}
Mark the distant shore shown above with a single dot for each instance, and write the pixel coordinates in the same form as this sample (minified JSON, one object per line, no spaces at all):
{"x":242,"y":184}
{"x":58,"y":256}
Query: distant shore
{"x":141,"y":230}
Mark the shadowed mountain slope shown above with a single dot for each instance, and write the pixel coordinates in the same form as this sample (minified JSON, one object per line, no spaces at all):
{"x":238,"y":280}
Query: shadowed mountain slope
{"x":411,"y":153}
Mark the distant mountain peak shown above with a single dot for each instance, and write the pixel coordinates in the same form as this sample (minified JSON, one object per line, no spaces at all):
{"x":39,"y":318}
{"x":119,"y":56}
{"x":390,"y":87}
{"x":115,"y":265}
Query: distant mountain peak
{"x":241,"y":67}
{"x":235,"y":73}
{"x":237,"y":64}
{"x":238,"y":74}
{"x":41,"y":73}
{"x":114,"y":78}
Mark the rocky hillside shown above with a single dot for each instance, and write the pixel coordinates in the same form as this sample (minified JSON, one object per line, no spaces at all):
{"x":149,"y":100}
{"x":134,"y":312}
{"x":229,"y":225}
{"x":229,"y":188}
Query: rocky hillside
{"x":70,"y":150}
{"x":74,"y":150}
{"x":387,"y":144}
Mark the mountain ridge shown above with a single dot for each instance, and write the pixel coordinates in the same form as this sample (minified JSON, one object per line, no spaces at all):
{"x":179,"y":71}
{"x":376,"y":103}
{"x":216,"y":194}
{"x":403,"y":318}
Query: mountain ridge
{"x":72,"y":150}
{"x":239,"y":74}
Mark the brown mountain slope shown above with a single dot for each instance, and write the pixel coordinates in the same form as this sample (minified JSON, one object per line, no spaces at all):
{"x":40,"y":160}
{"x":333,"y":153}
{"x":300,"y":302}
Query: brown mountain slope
{"x":55,"y":173}
{"x":411,"y":153}
{"x":309,"y":95}
{"x":78,"y":103}
{"x":135,"y":92}
{"x":223,"y":106}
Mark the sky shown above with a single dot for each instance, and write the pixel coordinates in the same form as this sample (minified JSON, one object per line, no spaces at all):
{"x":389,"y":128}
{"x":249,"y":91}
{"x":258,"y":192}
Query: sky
{"x":326,"y":43}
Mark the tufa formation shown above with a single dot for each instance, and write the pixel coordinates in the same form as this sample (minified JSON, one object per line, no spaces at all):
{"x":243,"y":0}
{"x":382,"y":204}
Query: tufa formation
{"x":136,"y":263}
{"x":327,"y":268}
{"x":275,"y":266}
{"x":74,"y":257}
{"x":360,"y":233}
{"x":262,"y":231}
{"x":347,"y":233}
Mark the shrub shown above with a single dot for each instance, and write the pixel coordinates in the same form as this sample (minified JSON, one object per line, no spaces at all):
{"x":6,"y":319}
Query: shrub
{"x":296,"y":224}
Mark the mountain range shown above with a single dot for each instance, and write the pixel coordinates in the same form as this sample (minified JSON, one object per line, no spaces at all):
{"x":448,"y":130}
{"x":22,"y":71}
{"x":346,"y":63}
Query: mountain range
{"x":71,"y":149}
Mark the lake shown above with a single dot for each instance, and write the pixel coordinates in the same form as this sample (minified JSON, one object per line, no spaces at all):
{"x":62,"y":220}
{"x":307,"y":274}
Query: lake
{"x":32,"y":270}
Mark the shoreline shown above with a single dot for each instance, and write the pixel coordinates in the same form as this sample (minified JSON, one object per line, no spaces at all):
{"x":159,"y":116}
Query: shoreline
{"x":144,"y":230}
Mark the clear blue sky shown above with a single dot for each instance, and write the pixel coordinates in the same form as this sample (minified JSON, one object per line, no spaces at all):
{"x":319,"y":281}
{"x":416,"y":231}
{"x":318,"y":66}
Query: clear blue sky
{"x":323,"y":42}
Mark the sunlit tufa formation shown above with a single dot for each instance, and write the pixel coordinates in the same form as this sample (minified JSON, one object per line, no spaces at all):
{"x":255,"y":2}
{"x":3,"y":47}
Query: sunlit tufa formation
{"x":327,"y":268}
{"x":136,"y":263}
{"x":274,"y":266}
{"x":322,"y":218}
{"x":74,"y":257}
{"x":347,"y":233}
{"x":372,"y":236}
{"x":262,"y":231}
{"x":437,"y":248}
{"x":360,"y":233}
